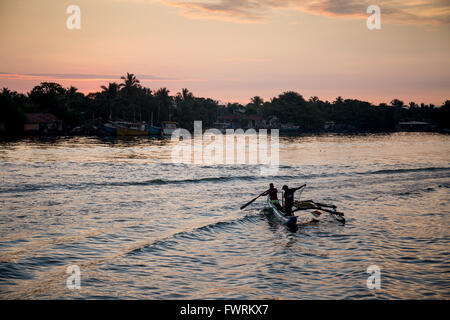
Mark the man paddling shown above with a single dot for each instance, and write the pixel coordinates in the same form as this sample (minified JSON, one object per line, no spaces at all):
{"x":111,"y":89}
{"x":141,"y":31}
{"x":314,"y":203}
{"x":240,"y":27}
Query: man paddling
{"x":273,"y":195}
{"x":289,"y":198}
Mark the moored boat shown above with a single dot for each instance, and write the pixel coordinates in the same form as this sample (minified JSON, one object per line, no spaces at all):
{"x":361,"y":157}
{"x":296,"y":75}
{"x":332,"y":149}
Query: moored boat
{"x":154,"y":130}
{"x":168,"y":127}
{"x":131,"y":129}
{"x":109,"y":129}
{"x":294,"y":129}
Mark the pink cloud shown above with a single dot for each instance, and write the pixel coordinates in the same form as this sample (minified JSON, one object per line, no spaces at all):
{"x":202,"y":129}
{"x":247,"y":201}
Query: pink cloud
{"x":255,"y":11}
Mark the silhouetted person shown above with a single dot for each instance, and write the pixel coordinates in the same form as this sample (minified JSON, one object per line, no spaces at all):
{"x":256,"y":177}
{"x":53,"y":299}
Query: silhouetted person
{"x":289,"y":199}
{"x":273,"y":195}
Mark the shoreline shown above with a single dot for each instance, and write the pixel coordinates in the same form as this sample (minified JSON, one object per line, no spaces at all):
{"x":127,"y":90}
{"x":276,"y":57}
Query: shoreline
{"x":303,"y":134}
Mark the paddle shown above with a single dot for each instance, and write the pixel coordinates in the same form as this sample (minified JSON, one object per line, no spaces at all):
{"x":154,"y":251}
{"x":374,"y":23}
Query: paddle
{"x":251,"y":201}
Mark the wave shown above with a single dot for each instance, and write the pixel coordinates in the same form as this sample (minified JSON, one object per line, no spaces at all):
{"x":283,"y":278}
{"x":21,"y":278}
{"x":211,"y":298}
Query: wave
{"x":37,"y":187}
{"x":80,"y":186}
{"x":32,"y":248}
{"x":192,"y":233}
{"x":395,"y":171}
{"x":337,"y":173}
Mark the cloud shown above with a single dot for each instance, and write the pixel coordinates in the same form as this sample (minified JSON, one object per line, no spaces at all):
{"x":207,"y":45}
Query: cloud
{"x":76,"y":76}
{"x":229,"y":10}
{"x":256,"y":11}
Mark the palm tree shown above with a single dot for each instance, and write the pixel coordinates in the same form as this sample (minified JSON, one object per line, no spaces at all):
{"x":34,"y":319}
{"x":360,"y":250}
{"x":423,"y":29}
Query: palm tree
{"x":257,"y":101}
{"x":397,"y":103}
{"x":129,"y":87}
{"x":6,"y":92}
{"x":110,"y":94}
{"x":314,"y":99}
{"x":111,"y":90}
{"x":164,"y":100}
{"x":186,"y":94}
{"x":72,"y":91}
{"x":339,"y":100}
{"x":130,"y":81}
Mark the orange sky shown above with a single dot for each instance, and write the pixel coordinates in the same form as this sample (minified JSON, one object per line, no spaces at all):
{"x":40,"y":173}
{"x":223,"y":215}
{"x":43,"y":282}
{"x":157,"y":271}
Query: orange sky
{"x":231,"y":50}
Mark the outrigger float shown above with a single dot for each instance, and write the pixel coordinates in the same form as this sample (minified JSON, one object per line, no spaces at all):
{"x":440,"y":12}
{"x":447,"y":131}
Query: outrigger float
{"x":316,"y":208}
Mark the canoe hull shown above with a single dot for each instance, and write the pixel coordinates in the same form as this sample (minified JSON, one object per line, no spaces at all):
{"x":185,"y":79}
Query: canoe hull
{"x":289,"y":221}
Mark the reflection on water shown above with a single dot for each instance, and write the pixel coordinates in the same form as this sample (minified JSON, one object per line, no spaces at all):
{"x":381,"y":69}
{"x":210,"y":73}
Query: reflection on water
{"x":141,"y":227}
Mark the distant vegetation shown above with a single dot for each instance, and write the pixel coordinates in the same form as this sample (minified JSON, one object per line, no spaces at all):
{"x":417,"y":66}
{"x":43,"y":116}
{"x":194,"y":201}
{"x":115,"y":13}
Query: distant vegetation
{"x":130,"y":101}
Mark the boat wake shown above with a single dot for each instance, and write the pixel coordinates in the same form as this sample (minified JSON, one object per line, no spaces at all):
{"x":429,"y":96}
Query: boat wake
{"x":51,"y":281}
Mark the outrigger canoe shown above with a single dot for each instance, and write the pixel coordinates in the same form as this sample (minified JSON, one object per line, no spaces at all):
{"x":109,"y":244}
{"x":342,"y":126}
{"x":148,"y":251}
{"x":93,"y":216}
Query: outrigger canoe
{"x":289,"y":221}
{"x":306,"y":205}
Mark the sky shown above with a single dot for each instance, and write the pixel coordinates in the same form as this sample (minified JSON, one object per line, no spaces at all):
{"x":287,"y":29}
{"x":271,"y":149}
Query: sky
{"x":232,"y":50}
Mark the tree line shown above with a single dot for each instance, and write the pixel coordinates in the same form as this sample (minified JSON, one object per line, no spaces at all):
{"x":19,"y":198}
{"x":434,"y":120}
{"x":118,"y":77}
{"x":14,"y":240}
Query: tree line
{"x":130,"y":101}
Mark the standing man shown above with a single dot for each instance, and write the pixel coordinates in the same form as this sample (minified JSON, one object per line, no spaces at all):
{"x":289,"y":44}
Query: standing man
{"x":288,"y":198}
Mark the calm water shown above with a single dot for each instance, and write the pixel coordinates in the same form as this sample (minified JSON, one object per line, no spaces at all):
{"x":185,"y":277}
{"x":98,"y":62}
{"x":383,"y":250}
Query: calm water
{"x":141,"y":227}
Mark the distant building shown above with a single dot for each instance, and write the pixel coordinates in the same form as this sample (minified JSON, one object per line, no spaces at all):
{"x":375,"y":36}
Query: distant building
{"x":272,"y":123}
{"x":42,"y":122}
{"x":239,"y":110}
{"x":413,"y":126}
{"x":235,"y":121}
